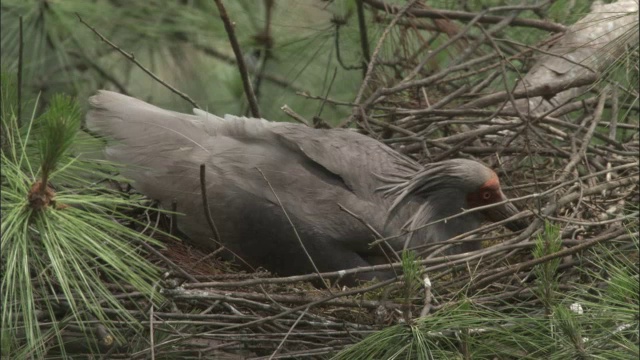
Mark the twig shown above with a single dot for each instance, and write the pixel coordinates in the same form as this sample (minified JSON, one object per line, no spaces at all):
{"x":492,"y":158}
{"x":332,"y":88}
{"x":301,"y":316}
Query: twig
{"x":316,"y":119}
{"x":294,"y":115}
{"x":548,"y":89}
{"x":576,"y":157}
{"x":151,"y":334}
{"x":242,"y":67}
{"x":613,"y":126}
{"x":205,"y":204}
{"x":444,"y":46}
{"x":324,"y":98}
{"x":171,"y":264}
{"x":288,"y":333}
{"x":429,"y":80}
{"x":308,"y":305}
{"x":20,"y":60}
{"x":282,"y":82}
{"x":373,"y":231}
{"x":374,"y":57}
{"x":339,"y":55}
{"x":562,"y":253}
{"x":295,"y":231}
{"x":364,"y":39}
{"x":266,"y":40}
{"x":173,"y":226}
{"x":138,"y":64}
{"x":210,"y":255}
{"x":427,"y":296}
{"x":461,"y":15}
{"x":633,"y":215}
{"x":238,"y":296}
{"x":504,"y":77}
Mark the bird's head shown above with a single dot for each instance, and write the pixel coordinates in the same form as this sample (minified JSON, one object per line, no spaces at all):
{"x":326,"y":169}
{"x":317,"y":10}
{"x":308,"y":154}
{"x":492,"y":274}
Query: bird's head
{"x":482,"y":188}
{"x":451,"y":186}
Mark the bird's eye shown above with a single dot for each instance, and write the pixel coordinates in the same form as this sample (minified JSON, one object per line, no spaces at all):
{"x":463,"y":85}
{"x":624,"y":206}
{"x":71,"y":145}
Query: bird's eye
{"x":486,"y":195}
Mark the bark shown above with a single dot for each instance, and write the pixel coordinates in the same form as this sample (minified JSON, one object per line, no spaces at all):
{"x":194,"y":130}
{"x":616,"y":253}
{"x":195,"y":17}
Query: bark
{"x":589,"y":46}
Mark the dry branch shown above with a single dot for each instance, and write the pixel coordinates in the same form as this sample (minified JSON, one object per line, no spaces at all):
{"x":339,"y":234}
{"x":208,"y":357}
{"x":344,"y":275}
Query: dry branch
{"x":133,"y":59}
{"x":590,"y":45}
{"x":462,"y":15}
{"x":242,"y":67}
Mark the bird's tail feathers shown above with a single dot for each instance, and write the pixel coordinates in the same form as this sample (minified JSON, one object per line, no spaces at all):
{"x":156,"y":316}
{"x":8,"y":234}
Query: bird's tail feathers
{"x":137,"y":125}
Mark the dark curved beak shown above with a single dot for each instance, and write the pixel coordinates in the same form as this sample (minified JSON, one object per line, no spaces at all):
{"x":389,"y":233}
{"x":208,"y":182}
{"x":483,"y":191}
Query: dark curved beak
{"x":506,"y":211}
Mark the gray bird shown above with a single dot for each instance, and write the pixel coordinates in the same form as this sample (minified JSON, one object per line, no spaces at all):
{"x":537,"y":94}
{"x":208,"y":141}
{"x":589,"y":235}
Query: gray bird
{"x":277,"y":189}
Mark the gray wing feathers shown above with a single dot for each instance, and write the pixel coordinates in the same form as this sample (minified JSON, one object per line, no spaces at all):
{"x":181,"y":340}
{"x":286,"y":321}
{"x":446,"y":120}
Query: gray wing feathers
{"x":357,"y":159}
{"x":164,"y":149}
{"x":310,"y":170}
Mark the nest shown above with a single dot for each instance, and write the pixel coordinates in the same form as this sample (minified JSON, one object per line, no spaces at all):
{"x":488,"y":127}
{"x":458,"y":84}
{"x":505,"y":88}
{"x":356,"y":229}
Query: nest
{"x":580,"y":174}
{"x":565,"y":150}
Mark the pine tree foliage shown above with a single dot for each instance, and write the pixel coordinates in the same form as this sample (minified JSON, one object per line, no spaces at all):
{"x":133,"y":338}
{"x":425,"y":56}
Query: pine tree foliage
{"x":63,"y":243}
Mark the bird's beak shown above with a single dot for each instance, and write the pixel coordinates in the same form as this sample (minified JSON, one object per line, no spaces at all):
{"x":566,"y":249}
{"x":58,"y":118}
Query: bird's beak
{"x":506,"y":211}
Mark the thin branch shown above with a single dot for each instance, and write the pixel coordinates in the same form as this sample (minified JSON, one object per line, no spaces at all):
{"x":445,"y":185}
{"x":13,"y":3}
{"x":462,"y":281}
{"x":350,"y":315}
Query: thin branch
{"x":239,"y":296}
{"x":461,"y":15}
{"x":151,"y":334}
{"x":560,"y":254}
{"x":338,"y":54}
{"x":295,"y":231}
{"x":613,"y":129}
{"x":205,"y":204}
{"x":242,"y":67}
{"x":173,"y":225}
{"x":138,"y":64}
{"x":294,"y":115}
{"x":275,"y":352}
{"x":20,"y":61}
{"x":266,"y":40}
{"x":276,"y":80}
{"x":102,"y":72}
{"x":444,"y":46}
{"x":427,"y":296}
{"x":424,"y":81}
{"x":582,"y":153}
{"x":317,"y":120}
{"x":547,"y":90}
{"x":373,"y":231}
{"x":374,"y":58}
{"x":170,"y":263}
{"x":308,"y":305}
{"x":364,"y":39}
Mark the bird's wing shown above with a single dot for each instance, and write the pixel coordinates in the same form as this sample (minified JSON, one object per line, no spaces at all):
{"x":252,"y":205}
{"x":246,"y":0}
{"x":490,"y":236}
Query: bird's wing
{"x":358,"y":160}
{"x":247,"y":160}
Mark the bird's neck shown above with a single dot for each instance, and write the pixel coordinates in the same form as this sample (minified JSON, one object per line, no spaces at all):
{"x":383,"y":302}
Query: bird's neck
{"x":433,"y":219}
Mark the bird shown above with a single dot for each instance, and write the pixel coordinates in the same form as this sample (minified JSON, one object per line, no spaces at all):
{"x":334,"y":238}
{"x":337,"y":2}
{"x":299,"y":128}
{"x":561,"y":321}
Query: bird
{"x":290,"y":198}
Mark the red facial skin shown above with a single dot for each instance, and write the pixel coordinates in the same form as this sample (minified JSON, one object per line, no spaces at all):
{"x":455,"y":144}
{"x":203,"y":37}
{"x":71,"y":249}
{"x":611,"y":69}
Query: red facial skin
{"x":489,"y":193}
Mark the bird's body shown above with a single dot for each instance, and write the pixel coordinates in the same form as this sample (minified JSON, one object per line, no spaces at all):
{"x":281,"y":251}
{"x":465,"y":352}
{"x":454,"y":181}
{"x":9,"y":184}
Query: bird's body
{"x":276,"y":187}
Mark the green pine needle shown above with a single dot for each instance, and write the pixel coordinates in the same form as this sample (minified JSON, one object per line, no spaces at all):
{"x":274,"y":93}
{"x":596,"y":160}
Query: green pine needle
{"x":594,"y":321}
{"x":58,"y":259}
{"x":58,"y":126}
